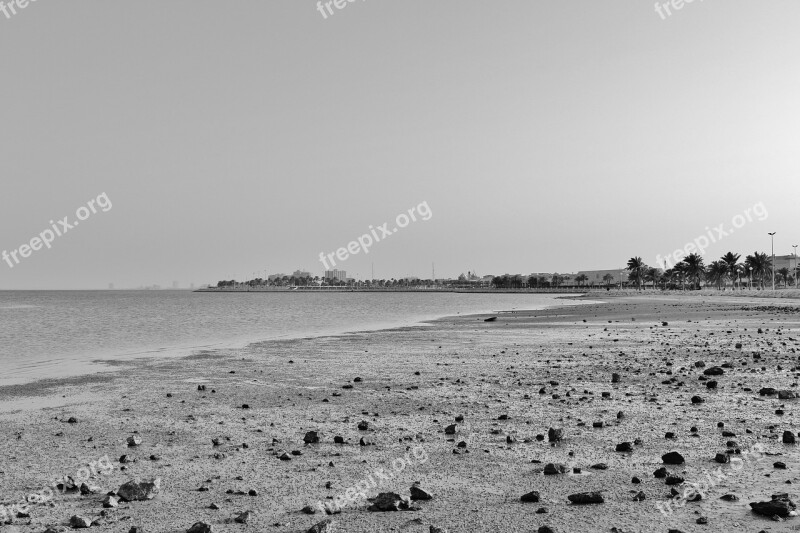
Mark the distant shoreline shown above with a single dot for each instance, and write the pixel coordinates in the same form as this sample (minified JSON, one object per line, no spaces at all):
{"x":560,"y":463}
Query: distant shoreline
{"x":573,"y":292}
{"x":348,"y":289}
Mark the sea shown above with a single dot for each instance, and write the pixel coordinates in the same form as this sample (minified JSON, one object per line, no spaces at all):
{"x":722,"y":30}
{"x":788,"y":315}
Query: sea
{"x":56,"y":334}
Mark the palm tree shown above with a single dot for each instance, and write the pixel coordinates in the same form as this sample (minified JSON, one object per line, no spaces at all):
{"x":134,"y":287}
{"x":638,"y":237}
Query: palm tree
{"x":760,"y":265}
{"x":783,"y":273}
{"x":731,"y":260}
{"x":695,"y":270}
{"x":637,"y":269}
{"x":581,"y":279}
{"x":716,"y":272}
{"x":679,"y":271}
{"x":653,"y":275}
{"x":608,"y":278}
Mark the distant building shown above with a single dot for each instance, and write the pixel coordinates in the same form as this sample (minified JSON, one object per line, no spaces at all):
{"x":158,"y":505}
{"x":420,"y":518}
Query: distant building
{"x":302,"y":274}
{"x":339,"y":275}
{"x":785,"y":261}
{"x":273,"y":277}
{"x":595,"y":277}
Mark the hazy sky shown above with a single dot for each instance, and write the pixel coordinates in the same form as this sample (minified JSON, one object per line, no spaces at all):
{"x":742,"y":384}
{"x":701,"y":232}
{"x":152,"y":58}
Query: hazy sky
{"x":243,"y":136}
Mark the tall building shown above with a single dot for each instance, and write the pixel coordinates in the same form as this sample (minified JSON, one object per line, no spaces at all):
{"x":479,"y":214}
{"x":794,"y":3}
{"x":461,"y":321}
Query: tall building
{"x":302,"y":274}
{"x":339,"y":275}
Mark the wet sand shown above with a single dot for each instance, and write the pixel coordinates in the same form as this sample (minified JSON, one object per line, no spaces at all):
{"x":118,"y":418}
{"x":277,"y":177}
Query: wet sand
{"x":514,"y":377}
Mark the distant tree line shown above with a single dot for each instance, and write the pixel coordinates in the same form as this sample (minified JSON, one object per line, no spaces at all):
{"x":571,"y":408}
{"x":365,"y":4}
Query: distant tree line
{"x":692,"y":272}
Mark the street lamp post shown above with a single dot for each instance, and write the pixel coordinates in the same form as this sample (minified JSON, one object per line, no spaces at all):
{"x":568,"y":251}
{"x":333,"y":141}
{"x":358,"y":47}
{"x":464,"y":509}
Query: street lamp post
{"x":749,"y":278}
{"x":795,"y":265}
{"x":772,"y":238}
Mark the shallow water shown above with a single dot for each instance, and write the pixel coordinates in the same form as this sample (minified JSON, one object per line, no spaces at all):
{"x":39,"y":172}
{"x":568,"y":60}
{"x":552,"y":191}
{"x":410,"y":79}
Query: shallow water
{"x":46,"y":334}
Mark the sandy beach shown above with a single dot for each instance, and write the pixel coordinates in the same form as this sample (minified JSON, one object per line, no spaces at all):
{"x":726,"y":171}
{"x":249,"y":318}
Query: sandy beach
{"x":239,"y":443}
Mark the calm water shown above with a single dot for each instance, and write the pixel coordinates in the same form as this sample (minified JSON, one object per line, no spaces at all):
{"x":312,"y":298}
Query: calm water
{"x":59,"y":333}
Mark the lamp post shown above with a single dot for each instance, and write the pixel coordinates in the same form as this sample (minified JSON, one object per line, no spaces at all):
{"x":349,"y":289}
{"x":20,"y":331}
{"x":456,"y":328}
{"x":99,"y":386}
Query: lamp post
{"x":749,"y":278}
{"x":795,"y":265}
{"x":772,"y":237}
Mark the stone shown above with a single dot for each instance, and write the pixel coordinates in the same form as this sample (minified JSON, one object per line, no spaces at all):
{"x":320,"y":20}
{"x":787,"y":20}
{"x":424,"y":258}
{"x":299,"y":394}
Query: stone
{"x":200,"y":527}
{"x":326,"y":526}
{"x":311,"y":437}
{"x":624,"y":447}
{"x":79,"y":522}
{"x":555,"y":435}
{"x":110,"y":502}
{"x":139,"y":490}
{"x":243,"y":518}
{"x":418,"y":493}
{"x":789,"y":438}
{"x":552,"y":469}
{"x":388,"y":501}
{"x":134,"y":440}
{"x":674,"y":480}
{"x":531,"y":497}
{"x":673,"y":458}
{"x":780,"y":505}
{"x":585,"y":498}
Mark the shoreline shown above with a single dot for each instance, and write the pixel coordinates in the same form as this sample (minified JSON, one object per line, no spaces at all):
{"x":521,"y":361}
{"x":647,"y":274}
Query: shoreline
{"x":101,"y":366}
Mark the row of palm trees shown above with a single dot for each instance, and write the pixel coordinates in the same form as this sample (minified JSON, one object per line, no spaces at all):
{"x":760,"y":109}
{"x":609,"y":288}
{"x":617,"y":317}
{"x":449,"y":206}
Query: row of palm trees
{"x":692,"y":271}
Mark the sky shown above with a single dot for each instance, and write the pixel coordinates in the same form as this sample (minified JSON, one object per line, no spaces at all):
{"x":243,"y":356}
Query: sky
{"x":226,"y":140}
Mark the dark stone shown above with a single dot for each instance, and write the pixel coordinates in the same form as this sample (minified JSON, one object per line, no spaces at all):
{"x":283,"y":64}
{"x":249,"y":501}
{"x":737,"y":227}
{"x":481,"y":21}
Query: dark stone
{"x":418,"y":493}
{"x":555,"y":435}
{"x":585,"y":498}
{"x":531,"y":497}
{"x":139,"y":490}
{"x":780,"y":505}
{"x":673,"y":458}
{"x":552,"y":469}
{"x":389,"y":501}
{"x":79,"y":522}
